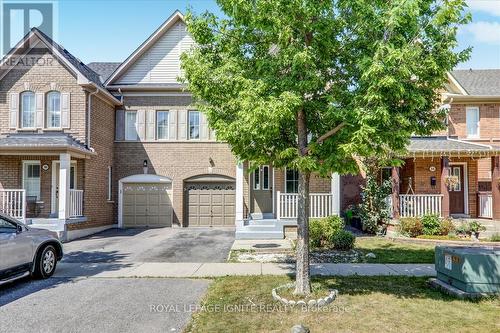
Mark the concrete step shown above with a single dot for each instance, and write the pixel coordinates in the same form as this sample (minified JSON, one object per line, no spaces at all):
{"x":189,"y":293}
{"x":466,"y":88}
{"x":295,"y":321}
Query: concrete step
{"x":240,"y":234}
{"x":261,"y":222}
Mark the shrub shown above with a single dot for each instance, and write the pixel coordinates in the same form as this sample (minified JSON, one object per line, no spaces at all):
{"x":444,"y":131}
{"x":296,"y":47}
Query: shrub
{"x":447,"y":227}
{"x":322,"y":230}
{"x":374,"y":209}
{"x":431,"y":224}
{"x":343,"y":240}
{"x":495,"y":238}
{"x":476,"y":227}
{"x":411,"y":226}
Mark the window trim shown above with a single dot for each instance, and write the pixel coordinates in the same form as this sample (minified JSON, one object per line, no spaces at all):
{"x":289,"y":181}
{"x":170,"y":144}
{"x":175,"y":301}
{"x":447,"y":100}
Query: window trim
{"x":478,"y":127}
{"x":286,"y":180}
{"x":110,"y":183}
{"x":157,"y":127}
{"x":126,"y":126}
{"x":256,"y":184}
{"x":47,"y":112}
{"x":189,"y":124}
{"x":21,"y":118}
{"x":24,"y":176}
{"x":264,"y":187}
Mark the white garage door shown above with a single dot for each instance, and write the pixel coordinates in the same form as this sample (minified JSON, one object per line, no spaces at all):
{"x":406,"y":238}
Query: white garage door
{"x":210,"y":204}
{"x":147,"y":205}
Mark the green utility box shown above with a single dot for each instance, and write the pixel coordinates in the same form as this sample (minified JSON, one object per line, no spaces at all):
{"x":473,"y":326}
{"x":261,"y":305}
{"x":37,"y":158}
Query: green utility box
{"x":474,"y":269}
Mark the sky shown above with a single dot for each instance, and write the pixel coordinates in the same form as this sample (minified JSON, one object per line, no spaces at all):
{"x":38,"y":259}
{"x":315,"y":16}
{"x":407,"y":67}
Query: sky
{"x":110,"y":30}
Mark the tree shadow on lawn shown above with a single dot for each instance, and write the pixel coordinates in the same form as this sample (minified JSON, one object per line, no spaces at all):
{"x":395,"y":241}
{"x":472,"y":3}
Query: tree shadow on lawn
{"x":392,"y":252}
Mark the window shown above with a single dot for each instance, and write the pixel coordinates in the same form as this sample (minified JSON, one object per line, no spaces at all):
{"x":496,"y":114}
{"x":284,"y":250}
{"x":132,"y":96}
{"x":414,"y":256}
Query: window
{"x":131,"y":126}
{"x":7,"y":227}
{"x":256,"y":179}
{"x":455,"y":171}
{"x":162,"y":125}
{"x":54,"y":109}
{"x":28,"y":109}
{"x":472,"y":119}
{"x":194,"y":124}
{"x":265,"y":177}
{"x":110,"y":183}
{"x":385,"y":174}
{"x":31,"y":178}
{"x":291,"y":181}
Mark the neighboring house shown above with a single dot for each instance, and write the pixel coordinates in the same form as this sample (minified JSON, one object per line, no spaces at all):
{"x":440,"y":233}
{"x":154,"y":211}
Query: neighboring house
{"x":91,"y":146}
{"x":468,"y":150}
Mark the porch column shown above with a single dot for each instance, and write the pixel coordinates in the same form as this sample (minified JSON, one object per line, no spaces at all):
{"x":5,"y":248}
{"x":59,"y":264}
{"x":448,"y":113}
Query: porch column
{"x":335,"y":189}
{"x":495,"y":190}
{"x":395,"y":192}
{"x":239,"y":194}
{"x":64,"y":176}
{"x":445,"y":205}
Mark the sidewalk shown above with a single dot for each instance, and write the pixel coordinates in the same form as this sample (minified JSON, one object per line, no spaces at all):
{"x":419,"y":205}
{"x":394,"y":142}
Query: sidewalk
{"x":199,"y":270}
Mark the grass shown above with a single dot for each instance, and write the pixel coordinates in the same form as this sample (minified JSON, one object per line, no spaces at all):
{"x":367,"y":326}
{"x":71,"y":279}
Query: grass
{"x":393,"y":252}
{"x":364,"y":304}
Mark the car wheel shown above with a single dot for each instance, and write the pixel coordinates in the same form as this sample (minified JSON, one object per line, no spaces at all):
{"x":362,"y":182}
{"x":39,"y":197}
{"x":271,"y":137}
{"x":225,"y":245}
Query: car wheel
{"x":46,"y":262}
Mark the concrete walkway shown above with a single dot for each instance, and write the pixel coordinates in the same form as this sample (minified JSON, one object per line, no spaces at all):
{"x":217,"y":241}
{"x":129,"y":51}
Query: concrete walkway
{"x":199,"y":270}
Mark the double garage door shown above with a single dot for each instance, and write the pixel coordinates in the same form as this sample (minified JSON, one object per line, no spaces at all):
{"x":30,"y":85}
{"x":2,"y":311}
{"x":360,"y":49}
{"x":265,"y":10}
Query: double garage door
{"x":210,"y":203}
{"x":147,"y":205}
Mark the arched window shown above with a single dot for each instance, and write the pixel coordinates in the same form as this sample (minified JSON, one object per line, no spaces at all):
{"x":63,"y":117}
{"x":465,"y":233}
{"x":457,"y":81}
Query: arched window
{"x":28,"y":109}
{"x":54,"y":109}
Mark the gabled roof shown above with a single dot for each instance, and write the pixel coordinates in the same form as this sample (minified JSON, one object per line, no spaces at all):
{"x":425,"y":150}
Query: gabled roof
{"x":478,"y":82}
{"x":104,"y":69}
{"x":177,"y":15}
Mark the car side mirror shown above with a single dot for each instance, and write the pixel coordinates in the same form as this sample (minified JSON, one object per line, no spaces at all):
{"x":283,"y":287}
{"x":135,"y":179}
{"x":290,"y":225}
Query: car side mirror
{"x":19,"y":229}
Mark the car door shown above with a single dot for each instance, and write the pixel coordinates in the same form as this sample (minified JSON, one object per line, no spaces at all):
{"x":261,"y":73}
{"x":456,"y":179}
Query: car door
{"x":16,"y":246}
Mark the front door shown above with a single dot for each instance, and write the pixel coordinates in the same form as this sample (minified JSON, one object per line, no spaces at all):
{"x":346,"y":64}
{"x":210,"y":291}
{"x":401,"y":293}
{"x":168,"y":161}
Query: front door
{"x":262,"y":189}
{"x":457,"y":202}
{"x":55,"y":184}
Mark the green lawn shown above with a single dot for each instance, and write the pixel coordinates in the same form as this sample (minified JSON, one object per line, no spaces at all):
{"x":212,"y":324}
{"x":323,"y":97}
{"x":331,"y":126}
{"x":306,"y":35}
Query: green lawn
{"x":395,"y":252}
{"x":364,"y":304}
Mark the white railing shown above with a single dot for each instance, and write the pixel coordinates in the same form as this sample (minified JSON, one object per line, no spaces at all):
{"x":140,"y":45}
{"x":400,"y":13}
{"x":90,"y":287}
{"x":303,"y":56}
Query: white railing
{"x":413,"y":205}
{"x":75,"y":203}
{"x":13,"y":203}
{"x":320,"y":205}
{"x":485,"y":205}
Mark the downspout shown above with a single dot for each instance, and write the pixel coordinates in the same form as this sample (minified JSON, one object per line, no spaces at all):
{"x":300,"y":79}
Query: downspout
{"x":89,"y":108}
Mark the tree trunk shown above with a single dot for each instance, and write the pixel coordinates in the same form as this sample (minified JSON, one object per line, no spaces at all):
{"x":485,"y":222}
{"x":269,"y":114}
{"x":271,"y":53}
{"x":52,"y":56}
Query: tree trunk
{"x":302,"y":278}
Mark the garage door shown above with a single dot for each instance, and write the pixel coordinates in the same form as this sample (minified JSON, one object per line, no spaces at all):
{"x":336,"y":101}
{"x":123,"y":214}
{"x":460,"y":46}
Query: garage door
{"x":147,"y":205}
{"x":210,"y":204}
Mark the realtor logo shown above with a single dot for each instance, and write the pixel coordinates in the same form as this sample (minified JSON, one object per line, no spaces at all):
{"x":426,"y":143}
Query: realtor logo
{"x":18,"y":17}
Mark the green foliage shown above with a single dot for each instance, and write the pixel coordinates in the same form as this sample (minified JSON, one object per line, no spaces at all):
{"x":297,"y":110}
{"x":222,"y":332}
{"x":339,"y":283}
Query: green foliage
{"x":374,"y":210}
{"x":495,"y":238}
{"x":476,"y":226}
{"x":447,"y":227}
{"x":411,"y":226}
{"x":431,"y":224}
{"x":343,"y":240}
{"x":322,"y":230}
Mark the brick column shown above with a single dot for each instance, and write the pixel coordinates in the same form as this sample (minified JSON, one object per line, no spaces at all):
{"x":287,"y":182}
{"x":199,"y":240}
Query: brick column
{"x":495,"y":190}
{"x":395,"y":192}
{"x":445,"y":205}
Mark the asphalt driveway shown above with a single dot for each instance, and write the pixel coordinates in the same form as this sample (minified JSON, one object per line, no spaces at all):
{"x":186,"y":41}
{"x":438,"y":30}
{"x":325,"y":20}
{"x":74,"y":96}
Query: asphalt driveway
{"x":152,"y":245}
{"x":99,"y":305}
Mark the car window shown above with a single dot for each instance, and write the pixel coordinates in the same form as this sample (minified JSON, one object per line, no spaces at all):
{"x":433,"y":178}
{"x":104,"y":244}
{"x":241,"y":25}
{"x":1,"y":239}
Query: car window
{"x":7,"y":227}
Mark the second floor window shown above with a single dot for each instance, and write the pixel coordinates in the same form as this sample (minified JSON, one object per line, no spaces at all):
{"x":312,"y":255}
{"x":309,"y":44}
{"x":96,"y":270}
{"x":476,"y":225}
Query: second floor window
{"x":162,"y":125}
{"x":54,"y":109}
{"x":194,"y":124}
{"x":131,"y":125}
{"x":28,"y":109}
{"x":472,"y":120}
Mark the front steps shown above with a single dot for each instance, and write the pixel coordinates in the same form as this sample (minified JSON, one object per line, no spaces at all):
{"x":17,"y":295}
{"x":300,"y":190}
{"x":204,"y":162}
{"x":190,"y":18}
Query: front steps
{"x":263,"y":229}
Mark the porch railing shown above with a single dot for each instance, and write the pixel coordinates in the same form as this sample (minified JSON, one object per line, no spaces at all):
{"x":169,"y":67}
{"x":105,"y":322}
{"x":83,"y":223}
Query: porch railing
{"x":485,"y":204}
{"x":320,"y":205}
{"x":13,"y":203}
{"x":413,"y":205}
{"x":75,"y":203}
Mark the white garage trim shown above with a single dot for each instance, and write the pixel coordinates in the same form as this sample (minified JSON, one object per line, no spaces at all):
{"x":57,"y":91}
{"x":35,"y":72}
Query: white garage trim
{"x":140,"y":178}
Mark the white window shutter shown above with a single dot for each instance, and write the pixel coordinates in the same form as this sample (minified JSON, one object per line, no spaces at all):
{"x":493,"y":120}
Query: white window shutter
{"x":181,"y":122}
{"x":14,"y":110}
{"x":39,"y":109}
{"x":172,"y":124}
{"x":65,"y":110}
{"x":150,"y":124}
{"x":203,"y":126}
{"x":141,"y":124}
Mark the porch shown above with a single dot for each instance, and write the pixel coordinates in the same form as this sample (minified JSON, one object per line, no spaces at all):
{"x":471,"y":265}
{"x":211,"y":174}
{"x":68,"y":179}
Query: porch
{"x":441,"y":178}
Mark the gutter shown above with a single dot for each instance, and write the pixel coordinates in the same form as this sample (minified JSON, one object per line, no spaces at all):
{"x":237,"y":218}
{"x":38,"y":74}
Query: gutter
{"x":89,"y":108}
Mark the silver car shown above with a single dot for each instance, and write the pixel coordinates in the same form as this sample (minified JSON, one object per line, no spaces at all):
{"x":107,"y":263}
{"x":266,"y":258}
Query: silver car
{"x":27,"y":251}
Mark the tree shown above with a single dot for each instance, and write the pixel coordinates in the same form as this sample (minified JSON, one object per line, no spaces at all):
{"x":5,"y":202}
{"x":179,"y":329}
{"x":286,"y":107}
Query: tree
{"x":310,"y":84}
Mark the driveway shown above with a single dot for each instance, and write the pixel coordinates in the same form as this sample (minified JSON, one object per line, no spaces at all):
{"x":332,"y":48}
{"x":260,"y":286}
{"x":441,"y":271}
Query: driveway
{"x":152,"y":245}
{"x":99,"y":305}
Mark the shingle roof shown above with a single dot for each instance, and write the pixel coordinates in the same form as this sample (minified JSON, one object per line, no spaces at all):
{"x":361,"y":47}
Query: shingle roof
{"x":40,"y":141}
{"x":445,"y":145}
{"x":104,"y":69}
{"x":84,"y":69}
{"x":479,"y":81}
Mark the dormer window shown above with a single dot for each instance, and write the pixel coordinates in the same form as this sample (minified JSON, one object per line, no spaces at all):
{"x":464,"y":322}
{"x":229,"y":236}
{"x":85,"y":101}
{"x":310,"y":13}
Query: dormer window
{"x":28,"y":109}
{"x":54,"y":109}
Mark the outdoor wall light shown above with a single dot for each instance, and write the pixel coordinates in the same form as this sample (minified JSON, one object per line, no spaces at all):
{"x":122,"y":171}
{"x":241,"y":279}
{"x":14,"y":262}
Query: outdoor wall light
{"x":145,"y":163}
